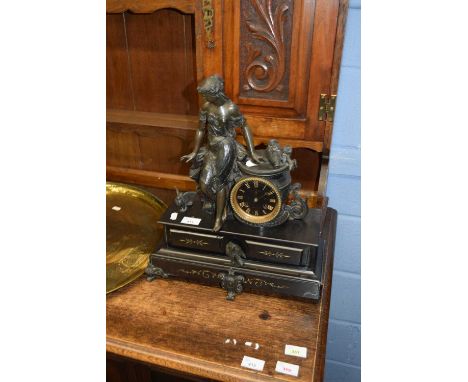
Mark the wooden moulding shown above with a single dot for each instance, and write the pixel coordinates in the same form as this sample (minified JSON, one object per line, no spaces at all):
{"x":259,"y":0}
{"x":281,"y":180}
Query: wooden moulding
{"x":277,"y":127}
{"x":148,"y":6}
{"x":177,"y":121}
{"x":179,"y":362}
{"x":319,"y":365}
{"x":150,"y":178}
{"x":294,"y":143}
{"x":340,"y":30}
{"x":285,"y":131}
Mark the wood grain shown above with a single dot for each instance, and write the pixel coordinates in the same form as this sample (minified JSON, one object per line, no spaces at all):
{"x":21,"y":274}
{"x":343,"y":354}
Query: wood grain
{"x":340,"y":31}
{"x":162,"y":62}
{"x":148,"y":148}
{"x":211,"y":60}
{"x":148,"y":6}
{"x":118,"y":81}
{"x":150,"y":178}
{"x":277,"y":127}
{"x":159,"y":323}
{"x":177,"y":121}
{"x":294,"y":143}
{"x":323,"y":44}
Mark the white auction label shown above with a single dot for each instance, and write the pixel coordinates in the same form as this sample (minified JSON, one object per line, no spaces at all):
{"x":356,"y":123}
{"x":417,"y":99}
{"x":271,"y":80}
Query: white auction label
{"x":252,"y":363}
{"x":297,"y":351}
{"x":192,"y":221}
{"x":174,"y":216}
{"x":287,"y":368}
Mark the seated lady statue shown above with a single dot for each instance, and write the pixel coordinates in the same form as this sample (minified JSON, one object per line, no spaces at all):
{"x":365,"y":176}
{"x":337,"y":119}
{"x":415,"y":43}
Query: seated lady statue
{"x":214,"y":165}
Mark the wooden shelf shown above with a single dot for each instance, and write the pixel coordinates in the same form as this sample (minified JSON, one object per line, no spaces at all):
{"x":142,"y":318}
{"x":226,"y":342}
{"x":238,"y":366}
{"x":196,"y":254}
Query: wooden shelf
{"x":131,"y":117}
{"x":190,"y":122}
{"x":150,"y":178}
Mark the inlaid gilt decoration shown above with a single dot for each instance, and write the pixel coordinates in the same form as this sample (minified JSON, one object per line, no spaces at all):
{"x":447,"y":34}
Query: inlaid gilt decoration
{"x":255,"y":281}
{"x":278,"y":255}
{"x":199,"y":242}
{"x":204,"y":273}
{"x":266,"y":27}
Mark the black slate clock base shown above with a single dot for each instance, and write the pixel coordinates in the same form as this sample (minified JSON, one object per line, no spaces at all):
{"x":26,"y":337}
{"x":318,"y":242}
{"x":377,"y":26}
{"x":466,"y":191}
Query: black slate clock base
{"x":286,"y":260}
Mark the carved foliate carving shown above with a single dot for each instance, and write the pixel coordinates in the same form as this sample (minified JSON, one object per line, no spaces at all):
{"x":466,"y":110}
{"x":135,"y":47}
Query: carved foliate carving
{"x":266,"y":29}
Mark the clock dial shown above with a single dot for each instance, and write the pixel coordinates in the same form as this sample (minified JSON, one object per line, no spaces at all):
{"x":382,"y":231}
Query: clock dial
{"x":255,"y":200}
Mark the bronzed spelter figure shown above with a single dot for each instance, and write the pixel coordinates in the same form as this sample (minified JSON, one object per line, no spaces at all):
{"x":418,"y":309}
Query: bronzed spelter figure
{"x":215,"y":164}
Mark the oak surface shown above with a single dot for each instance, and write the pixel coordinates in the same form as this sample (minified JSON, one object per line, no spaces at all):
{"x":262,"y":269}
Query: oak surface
{"x":184,"y":327}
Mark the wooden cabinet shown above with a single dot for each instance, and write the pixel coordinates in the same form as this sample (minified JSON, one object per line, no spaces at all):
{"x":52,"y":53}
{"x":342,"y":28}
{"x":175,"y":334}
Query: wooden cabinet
{"x":279,"y":58}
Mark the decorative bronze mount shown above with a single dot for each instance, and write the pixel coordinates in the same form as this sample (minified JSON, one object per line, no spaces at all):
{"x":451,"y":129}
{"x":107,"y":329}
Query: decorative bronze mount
{"x":231,"y":283}
{"x":236,"y":254}
{"x":208,"y":22}
{"x":153,"y":272}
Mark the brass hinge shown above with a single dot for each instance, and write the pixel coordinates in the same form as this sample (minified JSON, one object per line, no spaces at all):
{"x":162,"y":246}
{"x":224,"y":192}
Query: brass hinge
{"x":326,"y":107}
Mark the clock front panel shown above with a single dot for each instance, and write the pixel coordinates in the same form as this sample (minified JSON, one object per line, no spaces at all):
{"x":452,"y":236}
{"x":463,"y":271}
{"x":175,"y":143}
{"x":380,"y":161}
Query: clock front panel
{"x":255,"y":200}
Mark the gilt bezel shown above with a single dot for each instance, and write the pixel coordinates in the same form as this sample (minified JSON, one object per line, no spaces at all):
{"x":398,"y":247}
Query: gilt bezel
{"x":252,"y":218}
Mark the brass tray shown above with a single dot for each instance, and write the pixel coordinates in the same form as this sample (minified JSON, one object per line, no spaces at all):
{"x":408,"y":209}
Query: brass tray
{"x":132,"y":232}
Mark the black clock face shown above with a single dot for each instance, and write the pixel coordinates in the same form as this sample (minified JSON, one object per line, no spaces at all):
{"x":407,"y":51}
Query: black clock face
{"x":255,"y":200}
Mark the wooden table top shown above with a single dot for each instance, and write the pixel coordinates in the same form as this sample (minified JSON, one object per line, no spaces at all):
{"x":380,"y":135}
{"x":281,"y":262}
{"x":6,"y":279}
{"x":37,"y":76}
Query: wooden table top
{"x":184,"y":327}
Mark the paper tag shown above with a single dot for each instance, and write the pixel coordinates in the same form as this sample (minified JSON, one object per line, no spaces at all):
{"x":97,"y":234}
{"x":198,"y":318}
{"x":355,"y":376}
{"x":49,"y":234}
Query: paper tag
{"x":174,"y":216}
{"x":192,"y":221}
{"x":296,"y":351}
{"x":252,"y":363}
{"x":249,"y":163}
{"x":287,"y":368}
{"x":116,"y":208}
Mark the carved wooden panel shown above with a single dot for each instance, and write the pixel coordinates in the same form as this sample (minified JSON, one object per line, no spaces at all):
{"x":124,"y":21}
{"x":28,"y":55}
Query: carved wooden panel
{"x":265,"y":52}
{"x":268,"y":70}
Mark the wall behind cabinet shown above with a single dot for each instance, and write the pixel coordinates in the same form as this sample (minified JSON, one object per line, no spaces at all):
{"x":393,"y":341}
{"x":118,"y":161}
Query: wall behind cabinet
{"x":343,"y":362}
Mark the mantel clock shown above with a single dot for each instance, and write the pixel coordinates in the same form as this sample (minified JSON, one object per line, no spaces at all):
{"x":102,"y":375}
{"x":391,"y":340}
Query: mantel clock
{"x":246,"y":228}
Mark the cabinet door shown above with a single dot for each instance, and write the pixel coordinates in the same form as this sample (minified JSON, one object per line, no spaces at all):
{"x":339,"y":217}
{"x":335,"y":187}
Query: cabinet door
{"x":279,"y":59}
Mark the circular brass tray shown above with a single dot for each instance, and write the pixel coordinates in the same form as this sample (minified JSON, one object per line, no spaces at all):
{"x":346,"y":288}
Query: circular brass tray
{"x":132,"y":232}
